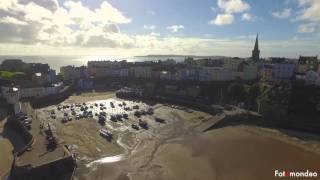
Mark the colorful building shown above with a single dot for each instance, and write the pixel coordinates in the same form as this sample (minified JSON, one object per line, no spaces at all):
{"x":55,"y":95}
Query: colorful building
{"x":232,"y":63}
{"x":266,"y":72}
{"x":283,"y":71}
{"x":250,"y":71}
{"x":307,"y":63}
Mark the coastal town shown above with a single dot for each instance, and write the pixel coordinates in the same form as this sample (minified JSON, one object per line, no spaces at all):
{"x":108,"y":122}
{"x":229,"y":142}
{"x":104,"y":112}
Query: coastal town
{"x":64,"y":122}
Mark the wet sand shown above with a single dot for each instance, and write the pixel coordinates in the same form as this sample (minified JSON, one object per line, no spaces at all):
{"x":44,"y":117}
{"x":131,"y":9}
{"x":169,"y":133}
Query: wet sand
{"x":6,"y":157}
{"x":176,"y":149}
{"x":233,"y":153}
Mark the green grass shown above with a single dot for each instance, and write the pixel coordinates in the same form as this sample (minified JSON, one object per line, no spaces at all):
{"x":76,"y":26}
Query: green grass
{"x":9,"y":75}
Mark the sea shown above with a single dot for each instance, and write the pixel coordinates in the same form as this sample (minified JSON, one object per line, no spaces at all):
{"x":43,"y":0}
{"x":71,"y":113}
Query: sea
{"x":55,"y":62}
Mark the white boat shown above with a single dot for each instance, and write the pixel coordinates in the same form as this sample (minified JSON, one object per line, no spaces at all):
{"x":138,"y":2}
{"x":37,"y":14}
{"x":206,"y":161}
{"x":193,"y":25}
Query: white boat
{"x":104,"y":133}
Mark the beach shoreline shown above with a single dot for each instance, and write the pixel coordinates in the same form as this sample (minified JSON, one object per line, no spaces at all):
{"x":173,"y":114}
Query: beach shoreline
{"x":178,"y":149}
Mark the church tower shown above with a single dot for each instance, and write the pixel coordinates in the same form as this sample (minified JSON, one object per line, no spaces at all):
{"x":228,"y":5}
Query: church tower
{"x":256,"y":51}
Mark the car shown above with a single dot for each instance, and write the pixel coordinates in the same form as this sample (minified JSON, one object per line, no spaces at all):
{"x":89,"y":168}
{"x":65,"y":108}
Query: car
{"x":22,"y":118}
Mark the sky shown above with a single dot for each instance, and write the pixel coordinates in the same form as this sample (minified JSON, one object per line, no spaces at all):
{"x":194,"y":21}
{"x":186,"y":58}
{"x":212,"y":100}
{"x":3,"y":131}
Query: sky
{"x":287,"y":28}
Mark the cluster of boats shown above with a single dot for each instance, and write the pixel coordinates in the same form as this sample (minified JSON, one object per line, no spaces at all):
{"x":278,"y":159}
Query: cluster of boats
{"x":140,"y":113}
{"x":83,"y":110}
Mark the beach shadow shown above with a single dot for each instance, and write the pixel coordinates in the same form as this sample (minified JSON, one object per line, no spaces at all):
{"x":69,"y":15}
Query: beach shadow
{"x":241,"y":119}
{"x":259,"y":121}
{"x":13,"y":136}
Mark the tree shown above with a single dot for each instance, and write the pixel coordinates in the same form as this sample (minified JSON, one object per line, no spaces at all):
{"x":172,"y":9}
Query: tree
{"x":254,"y":91}
{"x":237,"y":92}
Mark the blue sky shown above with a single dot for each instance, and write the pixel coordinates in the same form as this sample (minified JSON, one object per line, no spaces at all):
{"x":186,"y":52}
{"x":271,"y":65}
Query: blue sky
{"x":194,"y":15}
{"x":138,"y":27}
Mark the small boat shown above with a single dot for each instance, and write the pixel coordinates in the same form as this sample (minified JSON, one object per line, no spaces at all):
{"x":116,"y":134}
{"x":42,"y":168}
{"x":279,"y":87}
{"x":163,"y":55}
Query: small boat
{"x":134,"y":126}
{"x":150,"y":111}
{"x":104,"y":133}
{"x":64,"y":120}
{"x":119,"y":117}
{"x":113,"y":118}
{"x":125,"y":116}
{"x":143,"y":124}
{"x":103,"y":113}
{"x":137,"y":113}
{"x":102,"y":120}
{"x":159,"y":120}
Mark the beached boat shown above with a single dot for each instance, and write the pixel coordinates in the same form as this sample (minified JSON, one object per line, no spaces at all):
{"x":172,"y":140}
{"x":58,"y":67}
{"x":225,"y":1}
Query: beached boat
{"x":64,"y":120}
{"x":102,"y":120}
{"x":143,"y":124}
{"x":159,"y":120}
{"x":104,"y":133}
{"x":137,"y":113}
{"x":113,"y":118}
{"x":134,"y":126}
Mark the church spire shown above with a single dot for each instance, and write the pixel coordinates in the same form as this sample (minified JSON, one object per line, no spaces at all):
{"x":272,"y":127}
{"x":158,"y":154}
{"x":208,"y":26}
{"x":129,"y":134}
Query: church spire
{"x":256,"y":51}
{"x":256,"y":45}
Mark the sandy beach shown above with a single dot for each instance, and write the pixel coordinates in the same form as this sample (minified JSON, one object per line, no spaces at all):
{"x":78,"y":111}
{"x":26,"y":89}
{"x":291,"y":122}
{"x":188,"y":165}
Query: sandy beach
{"x":176,"y":149}
{"x":6,"y":148}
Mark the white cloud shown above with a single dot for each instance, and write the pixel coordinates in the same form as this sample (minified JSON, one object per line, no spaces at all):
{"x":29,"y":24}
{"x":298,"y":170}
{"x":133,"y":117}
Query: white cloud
{"x":44,"y":27}
{"x":310,"y":10}
{"x":154,"y":34}
{"x":12,"y":20}
{"x":247,"y":17}
{"x":233,"y":6}
{"x":108,"y":13}
{"x":175,"y":28}
{"x":223,"y":19}
{"x":70,"y":24}
{"x":306,"y":28}
{"x":151,"y":12}
{"x":228,"y":9}
{"x":149,"y":27}
{"x":286,"y":13}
